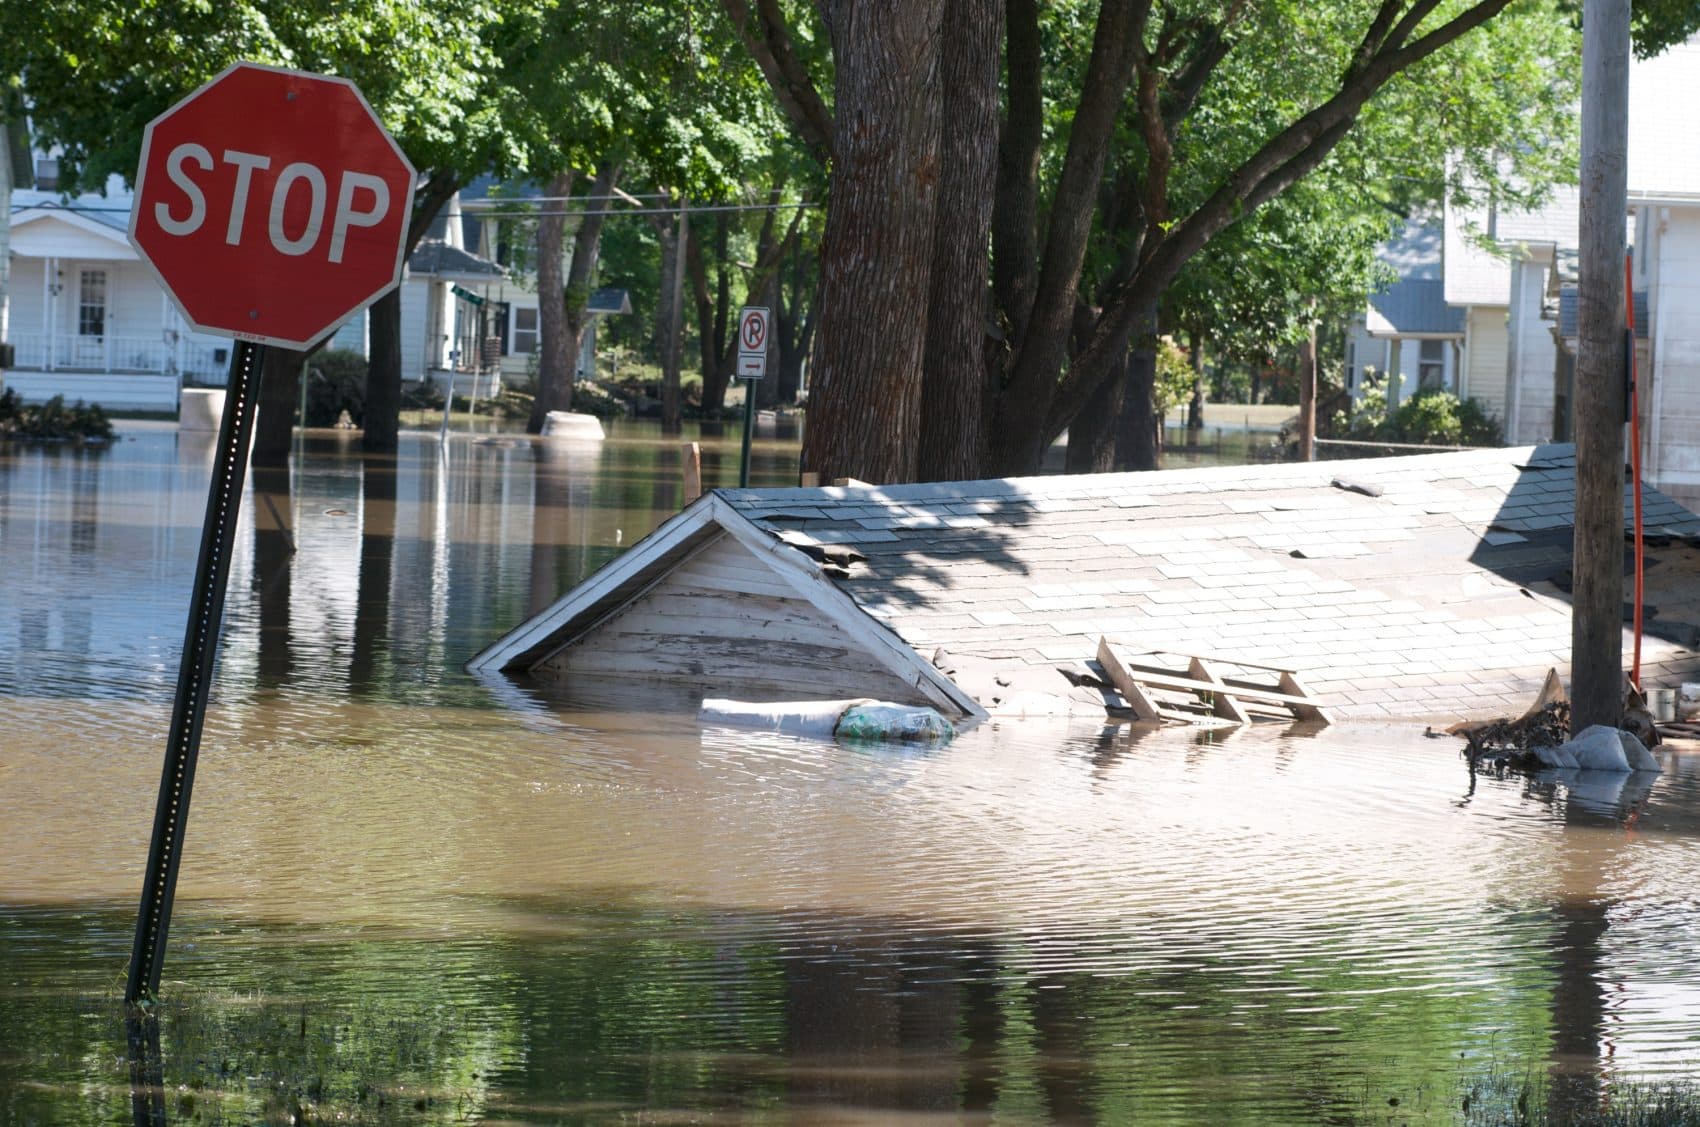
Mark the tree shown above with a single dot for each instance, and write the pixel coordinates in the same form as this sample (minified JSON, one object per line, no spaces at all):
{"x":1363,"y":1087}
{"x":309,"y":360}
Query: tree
{"x":96,"y":71}
{"x":1130,"y":140}
{"x":652,"y":94}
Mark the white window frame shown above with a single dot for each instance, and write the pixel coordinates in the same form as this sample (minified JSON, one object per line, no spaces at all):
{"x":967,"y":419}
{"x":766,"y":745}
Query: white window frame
{"x":522,"y":341}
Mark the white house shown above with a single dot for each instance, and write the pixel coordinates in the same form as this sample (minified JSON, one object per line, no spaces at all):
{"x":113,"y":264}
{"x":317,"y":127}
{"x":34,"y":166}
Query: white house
{"x":89,"y":321}
{"x":1518,"y":297}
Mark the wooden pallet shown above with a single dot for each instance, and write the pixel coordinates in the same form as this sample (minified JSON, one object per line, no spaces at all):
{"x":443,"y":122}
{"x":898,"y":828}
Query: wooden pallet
{"x":1156,"y":692}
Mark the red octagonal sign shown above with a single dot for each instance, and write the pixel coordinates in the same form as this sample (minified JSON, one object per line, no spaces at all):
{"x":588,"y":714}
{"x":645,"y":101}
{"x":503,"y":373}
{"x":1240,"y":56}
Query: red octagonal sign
{"x":272,"y":204}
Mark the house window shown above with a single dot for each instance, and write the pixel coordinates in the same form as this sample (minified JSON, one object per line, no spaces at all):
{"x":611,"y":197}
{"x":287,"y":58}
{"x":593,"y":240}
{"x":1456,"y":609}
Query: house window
{"x":91,"y":304}
{"x":525,"y":331}
{"x":1351,"y":365}
{"x":1431,"y":365}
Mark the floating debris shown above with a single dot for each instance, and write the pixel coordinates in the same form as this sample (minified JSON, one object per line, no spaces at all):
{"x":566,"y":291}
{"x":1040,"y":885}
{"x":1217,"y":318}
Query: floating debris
{"x":1513,"y":744}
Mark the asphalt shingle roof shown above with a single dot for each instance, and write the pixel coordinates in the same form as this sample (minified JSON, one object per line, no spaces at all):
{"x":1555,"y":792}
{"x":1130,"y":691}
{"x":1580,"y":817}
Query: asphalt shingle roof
{"x":1413,"y":306}
{"x":1445,"y":595}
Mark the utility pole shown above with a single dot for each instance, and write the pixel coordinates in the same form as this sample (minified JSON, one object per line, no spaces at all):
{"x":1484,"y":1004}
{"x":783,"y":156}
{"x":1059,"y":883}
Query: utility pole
{"x":1596,"y":631}
{"x":1307,"y":395}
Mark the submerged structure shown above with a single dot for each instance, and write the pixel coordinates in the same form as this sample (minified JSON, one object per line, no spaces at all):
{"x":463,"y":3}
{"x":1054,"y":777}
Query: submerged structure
{"x":1431,"y":586}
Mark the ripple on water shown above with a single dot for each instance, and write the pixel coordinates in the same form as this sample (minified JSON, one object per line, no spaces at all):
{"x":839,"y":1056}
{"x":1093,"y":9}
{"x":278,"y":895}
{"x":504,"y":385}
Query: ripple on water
{"x":605,"y":902}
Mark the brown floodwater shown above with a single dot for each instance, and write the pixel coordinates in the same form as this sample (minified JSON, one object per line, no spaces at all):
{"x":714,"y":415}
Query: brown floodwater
{"x":410,"y":896}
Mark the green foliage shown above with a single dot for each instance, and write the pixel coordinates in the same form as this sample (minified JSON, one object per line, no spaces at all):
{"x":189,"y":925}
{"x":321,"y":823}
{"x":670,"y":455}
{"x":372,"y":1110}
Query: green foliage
{"x":1430,"y":417}
{"x":53,"y":421}
{"x":1173,"y":384}
{"x":96,"y":71}
{"x":336,"y":382}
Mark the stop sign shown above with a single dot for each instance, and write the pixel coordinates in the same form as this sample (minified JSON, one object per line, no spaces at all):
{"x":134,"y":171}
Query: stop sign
{"x":271,"y":204}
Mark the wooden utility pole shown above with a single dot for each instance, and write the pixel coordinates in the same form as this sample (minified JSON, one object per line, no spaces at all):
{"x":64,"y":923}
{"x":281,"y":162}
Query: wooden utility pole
{"x":1307,"y":396}
{"x":1596,"y":632}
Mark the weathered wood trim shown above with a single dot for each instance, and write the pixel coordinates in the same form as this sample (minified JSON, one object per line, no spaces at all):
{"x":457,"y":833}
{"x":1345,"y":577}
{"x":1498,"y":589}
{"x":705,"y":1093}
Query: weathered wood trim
{"x":605,"y":592}
{"x":890,"y":651}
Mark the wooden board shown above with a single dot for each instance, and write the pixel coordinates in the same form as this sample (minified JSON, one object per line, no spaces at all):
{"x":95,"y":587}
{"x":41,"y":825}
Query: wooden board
{"x":1225,"y":697}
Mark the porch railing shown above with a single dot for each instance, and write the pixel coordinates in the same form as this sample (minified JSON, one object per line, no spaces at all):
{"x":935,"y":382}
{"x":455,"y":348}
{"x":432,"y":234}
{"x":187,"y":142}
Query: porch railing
{"x":120,"y":354}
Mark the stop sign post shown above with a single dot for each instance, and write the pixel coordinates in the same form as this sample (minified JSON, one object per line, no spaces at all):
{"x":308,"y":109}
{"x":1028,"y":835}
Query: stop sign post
{"x":272,"y":205}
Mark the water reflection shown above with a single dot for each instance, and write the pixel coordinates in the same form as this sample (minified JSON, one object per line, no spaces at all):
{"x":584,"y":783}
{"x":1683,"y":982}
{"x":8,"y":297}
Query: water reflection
{"x":398,"y":887}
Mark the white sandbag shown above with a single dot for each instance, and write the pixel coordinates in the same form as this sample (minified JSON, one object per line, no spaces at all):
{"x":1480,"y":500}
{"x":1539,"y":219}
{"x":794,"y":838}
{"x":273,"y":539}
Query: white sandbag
{"x":1598,"y":748}
{"x":1560,"y":757}
{"x":797,"y":718}
{"x":1640,"y":759}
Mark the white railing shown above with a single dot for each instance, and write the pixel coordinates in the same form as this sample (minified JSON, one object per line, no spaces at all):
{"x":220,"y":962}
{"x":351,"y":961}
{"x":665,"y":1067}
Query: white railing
{"x":64,"y":353}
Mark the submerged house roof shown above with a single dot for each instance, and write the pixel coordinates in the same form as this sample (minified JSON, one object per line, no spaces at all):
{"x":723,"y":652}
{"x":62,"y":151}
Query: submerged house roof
{"x":1425,"y":586}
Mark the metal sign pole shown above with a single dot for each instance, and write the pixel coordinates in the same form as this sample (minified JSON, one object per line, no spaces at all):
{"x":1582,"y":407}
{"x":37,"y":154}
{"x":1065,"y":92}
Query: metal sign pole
{"x":749,"y":428}
{"x":194,"y":672}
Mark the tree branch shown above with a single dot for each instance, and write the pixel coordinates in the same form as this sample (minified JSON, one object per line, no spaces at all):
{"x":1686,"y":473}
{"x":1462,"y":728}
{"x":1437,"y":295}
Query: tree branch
{"x":1183,"y":89}
{"x":1281,"y":161}
{"x":770,"y":45}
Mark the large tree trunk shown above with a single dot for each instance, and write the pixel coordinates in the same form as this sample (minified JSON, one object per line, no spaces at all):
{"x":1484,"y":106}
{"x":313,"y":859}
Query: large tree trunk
{"x":1092,"y":435}
{"x":555,"y":356}
{"x":1019,"y":433}
{"x":953,"y":388}
{"x":581,"y":272}
{"x":1136,"y":430}
{"x":280,"y":396}
{"x":381,"y":422}
{"x":670,"y":315}
{"x":1195,"y":405}
{"x":795,"y":315}
{"x":864,"y":411}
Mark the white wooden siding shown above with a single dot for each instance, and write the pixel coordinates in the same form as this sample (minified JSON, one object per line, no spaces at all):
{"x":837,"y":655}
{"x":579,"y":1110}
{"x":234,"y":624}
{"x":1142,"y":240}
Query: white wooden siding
{"x":114,"y":392}
{"x":1534,"y":356}
{"x":1485,"y":380}
{"x":413,"y":297}
{"x":1676,"y":343}
{"x":726,"y":621}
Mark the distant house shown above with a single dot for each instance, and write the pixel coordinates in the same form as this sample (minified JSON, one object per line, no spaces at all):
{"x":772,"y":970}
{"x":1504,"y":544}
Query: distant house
{"x":1408,"y":331}
{"x":89,"y":321}
{"x":1518,"y":292}
{"x":514,"y":303}
{"x":1434,"y":586}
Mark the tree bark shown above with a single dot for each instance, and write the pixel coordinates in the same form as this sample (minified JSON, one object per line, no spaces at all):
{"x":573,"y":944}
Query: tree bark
{"x":708,"y":351}
{"x":554,"y":358}
{"x":953,"y":388}
{"x":280,"y":396}
{"x":381,"y":423}
{"x":876,"y":255}
{"x":1017,"y":446}
{"x":1195,"y":405}
{"x":1596,"y":693}
{"x":1136,"y":430}
{"x":1015,"y":208}
{"x":674,"y":236}
{"x":581,"y":270}
{"x":1092,"y":435}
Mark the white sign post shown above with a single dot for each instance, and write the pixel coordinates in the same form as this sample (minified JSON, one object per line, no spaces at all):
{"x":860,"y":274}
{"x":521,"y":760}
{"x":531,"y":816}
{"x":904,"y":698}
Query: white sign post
{"x":753,"y":322}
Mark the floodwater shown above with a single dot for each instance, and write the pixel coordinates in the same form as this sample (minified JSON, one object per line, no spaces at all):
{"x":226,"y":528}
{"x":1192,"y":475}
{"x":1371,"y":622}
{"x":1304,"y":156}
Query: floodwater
{"x":410,"y":897}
